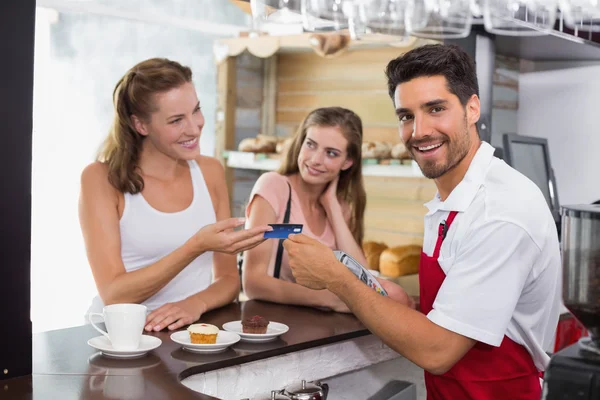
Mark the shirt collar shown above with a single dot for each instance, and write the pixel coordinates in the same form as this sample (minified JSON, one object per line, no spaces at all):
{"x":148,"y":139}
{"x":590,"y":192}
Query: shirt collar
{"x":464,"y":193}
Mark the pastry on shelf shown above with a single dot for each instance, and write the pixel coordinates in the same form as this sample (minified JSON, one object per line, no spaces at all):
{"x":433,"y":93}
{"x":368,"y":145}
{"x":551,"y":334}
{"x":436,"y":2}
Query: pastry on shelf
{"x":373,"y":251}
{"x":400,"y":260}
{"x":283,"y":145}
{"x":259,"y":144}
{"x":329,"y":45}
{"x":377,"y":150}
{"x":399,"y":152}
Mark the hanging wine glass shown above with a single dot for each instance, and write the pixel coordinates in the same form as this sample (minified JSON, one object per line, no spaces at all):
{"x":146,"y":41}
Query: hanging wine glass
{"x":519,"y":17}
{"x":379,"y":20}
{"x":440,"y":19}
{"x":275,"y":12}
{"x":476,"y":8}
{"x":583,"y":15}
{"x":326,"y":15}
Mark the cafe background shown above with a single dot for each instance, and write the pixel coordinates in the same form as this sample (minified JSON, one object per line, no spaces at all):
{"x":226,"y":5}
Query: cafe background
{"x":83,"y":47}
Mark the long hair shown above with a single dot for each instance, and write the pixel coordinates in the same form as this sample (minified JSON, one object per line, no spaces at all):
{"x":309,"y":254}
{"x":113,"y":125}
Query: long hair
{"x":350,"y":186}
{"x":134,"y":95}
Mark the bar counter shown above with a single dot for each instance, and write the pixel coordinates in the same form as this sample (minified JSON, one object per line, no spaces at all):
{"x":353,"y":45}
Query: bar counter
{"x":65,"y":366}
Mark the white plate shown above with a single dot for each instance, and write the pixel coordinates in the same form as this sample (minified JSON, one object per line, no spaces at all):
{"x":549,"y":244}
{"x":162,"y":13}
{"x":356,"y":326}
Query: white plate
{"x":103,"y":344}
{"x":224,"y":340}
{"x":274,"y":330}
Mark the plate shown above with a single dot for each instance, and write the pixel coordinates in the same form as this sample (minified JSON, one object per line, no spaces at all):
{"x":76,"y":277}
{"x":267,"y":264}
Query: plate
{"x":274,"y":330}
{"x":102,"y":343}
{"x":224,"y":340}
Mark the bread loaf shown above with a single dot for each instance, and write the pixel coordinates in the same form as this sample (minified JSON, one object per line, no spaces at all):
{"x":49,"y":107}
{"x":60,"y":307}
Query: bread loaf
{"x":267,"y":139}
{"x":266,"y":144}
{"x":399,"y":261}
{"x":247,"y":145}
{"x":399,"y":152}
{"x":372,"y":252}
{"x":330,"y":45}
{"x":378,"y":150}
{"x":283,"y":145}
{"x":260,"y":144}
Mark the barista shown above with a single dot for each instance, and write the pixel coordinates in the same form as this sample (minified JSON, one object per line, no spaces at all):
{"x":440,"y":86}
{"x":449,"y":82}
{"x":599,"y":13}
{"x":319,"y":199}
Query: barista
{"x":490,"y":268}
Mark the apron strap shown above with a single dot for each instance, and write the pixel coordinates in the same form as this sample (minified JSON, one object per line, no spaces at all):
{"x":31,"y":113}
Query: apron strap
{"x":442,"y":231}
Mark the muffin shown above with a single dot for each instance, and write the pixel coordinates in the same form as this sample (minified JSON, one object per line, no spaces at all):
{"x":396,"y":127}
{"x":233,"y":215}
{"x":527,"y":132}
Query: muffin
{"x":203,"y":333}
{"x":256,"y":324}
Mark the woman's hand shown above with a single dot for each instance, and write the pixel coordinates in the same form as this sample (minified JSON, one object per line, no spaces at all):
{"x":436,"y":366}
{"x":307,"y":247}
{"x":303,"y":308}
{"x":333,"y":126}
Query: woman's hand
{"x":397,"y":293}
{"x":329,"y":197}
{"x":222,"y":238}
{"x":175,"y":315}
{"x":337,"y":305}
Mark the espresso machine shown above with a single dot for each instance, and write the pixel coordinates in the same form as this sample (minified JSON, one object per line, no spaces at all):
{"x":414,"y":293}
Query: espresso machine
{"x":574,"y":372}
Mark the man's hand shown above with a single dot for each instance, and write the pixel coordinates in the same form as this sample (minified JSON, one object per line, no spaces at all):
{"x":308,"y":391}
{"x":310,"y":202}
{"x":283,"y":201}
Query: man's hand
{"x":175,"y":315}
{"x":313,"y":264}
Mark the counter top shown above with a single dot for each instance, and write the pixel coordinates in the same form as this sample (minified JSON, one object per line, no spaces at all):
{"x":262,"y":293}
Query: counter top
{"x":65,"y":366}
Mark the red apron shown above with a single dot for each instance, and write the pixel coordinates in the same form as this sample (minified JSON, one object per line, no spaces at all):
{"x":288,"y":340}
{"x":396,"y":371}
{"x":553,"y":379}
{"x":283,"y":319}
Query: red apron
{"x":485,"y":372}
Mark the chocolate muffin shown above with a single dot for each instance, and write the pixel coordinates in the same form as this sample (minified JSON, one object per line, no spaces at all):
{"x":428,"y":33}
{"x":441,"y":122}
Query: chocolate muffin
{"x":255,"y":324}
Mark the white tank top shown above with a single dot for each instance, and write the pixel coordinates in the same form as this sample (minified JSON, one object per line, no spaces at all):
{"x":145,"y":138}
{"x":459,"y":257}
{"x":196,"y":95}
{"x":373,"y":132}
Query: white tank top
{"x":147,"y":235}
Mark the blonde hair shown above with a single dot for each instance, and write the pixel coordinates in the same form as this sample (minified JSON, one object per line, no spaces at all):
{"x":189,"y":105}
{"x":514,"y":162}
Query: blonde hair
{"x":350,"y":186}
{"x":133,"y":95}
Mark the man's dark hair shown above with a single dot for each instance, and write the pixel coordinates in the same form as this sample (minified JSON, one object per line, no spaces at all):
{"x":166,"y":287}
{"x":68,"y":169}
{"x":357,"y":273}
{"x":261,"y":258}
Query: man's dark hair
{"x":450,"y":61}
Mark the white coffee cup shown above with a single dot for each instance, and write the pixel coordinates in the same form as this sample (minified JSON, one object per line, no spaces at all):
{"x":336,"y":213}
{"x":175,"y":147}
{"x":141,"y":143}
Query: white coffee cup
{"x":124,"y":323}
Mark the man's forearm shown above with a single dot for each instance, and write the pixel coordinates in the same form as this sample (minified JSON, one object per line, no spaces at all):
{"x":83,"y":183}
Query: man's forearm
{"x":405,"y":330}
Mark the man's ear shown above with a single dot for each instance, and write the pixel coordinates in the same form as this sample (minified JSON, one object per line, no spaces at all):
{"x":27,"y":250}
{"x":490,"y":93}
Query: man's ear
{"x":347,"y":164}
{"x":139,"y":126}
{"x":473,"y":110}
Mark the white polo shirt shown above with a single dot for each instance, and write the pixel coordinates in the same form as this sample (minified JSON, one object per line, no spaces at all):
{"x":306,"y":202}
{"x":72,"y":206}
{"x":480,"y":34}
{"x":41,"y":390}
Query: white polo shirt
{"x":501,"y":258}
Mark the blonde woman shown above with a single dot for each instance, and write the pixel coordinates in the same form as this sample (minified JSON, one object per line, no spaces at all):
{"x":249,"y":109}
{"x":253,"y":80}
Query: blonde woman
{"x":154,"y":213}
{"x":321,"y":180}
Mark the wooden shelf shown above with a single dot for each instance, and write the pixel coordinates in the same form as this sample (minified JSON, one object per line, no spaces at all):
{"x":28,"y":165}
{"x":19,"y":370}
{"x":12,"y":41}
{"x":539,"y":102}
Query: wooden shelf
{"x":263,"y":162}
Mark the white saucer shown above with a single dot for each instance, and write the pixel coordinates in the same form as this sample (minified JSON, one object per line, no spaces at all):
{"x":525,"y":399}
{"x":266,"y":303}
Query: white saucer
{"x":224,"y":340}
{"x":274,"y":330}
{"x":103,"y":344}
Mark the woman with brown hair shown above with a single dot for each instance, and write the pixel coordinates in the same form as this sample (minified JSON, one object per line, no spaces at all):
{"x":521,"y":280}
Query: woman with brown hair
{"x":154,"y":213}
{"x":319,"y":185}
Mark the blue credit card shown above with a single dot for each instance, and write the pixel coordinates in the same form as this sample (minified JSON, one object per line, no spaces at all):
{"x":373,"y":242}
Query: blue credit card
{"x":282,"y":231}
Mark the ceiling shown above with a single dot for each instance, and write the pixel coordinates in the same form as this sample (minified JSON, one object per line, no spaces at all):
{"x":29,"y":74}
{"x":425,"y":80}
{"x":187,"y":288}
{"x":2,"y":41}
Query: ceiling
{"x":546,"y":48}
{"x":562,"y":45}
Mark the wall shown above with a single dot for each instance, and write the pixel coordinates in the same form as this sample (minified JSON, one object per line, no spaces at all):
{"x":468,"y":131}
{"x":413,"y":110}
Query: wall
{"x":249,"y":101}
{"x":356,"y":80}
{"x":79,"y":58}
{"x":562,"y":106}
{"x":505,"y":98}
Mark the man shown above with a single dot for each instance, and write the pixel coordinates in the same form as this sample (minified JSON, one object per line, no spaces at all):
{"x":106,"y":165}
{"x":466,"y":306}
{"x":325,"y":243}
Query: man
{"x":490,"y":272}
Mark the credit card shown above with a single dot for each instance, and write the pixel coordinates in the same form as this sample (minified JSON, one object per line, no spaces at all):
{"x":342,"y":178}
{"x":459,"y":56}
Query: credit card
{"x":282,"y":231}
